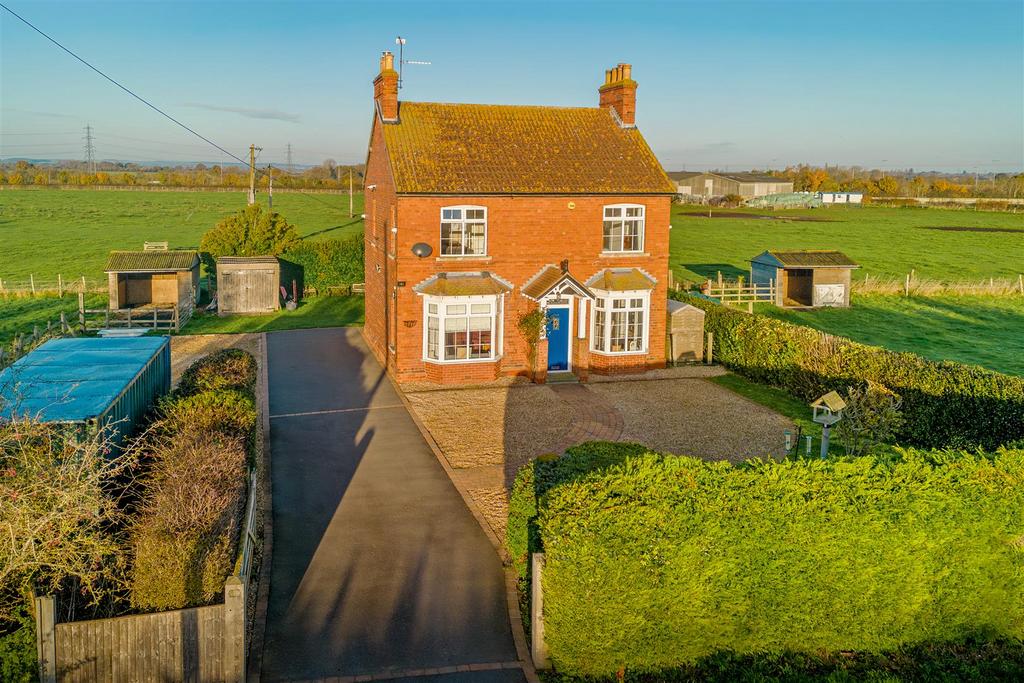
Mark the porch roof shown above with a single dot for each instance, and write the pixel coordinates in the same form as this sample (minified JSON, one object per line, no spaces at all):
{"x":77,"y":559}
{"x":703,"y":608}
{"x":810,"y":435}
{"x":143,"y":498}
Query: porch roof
{"x":621,"y":280}
{"x":550,"y":278}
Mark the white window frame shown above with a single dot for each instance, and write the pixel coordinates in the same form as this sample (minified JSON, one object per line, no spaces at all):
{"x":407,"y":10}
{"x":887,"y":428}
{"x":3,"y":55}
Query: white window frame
{"x":604,"y":303}
{"x":442,"y":315}
{"x":622,"y":218}
{"x":462,"y":220}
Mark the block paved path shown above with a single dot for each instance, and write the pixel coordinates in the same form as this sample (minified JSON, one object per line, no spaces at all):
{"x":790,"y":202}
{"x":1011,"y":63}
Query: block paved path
{"x":379,"y":570}
{"x":597,"y":419}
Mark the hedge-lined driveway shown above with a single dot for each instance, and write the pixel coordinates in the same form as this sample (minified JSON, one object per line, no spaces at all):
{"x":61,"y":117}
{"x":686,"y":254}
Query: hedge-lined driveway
{"x":378,"y":567}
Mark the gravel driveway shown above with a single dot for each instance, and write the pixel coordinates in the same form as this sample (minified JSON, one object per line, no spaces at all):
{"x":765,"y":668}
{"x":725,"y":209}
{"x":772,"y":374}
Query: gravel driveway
{"x":487,"y":434}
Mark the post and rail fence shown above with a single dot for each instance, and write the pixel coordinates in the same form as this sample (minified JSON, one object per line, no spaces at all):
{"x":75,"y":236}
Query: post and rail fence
{"x":37,"y":286}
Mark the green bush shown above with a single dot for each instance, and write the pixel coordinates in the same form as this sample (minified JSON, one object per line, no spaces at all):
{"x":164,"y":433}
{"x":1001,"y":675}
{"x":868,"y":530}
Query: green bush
{"x":945,"y":404}
{"x":540,"y":475}
{"x":328,"y":263}
{"x":18,"y":649}
{"x":226,"y":369}
{"x":184,"y":540}
{"x":661,"y":560}
{"x":225,"y":411}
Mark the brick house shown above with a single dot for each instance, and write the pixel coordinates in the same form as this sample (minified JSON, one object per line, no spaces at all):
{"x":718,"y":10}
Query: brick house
{"x":478,"y":214}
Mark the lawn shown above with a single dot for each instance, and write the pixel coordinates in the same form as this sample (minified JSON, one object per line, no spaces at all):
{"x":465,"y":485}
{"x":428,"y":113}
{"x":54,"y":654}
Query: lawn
{"x":986,"y":331}
{"x":324,"y":311}
{"x":885,"y":241}
{"x":46,"y":232}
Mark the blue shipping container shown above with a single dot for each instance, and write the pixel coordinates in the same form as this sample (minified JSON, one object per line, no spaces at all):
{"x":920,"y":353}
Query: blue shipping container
{"x":89,"y":381}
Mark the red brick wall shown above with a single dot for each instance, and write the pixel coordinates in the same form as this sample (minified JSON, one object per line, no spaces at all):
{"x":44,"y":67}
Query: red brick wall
{"x":524,"y":234}
{"x":380,"y":206}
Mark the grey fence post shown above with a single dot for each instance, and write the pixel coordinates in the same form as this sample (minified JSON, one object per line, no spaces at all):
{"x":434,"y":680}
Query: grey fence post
{"x":234,"y":630}
{"x":538,"y":648}
{"x":46,"y":643}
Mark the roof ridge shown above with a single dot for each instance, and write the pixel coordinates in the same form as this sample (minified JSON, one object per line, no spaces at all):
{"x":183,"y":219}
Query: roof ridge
{"x":484,"y":104}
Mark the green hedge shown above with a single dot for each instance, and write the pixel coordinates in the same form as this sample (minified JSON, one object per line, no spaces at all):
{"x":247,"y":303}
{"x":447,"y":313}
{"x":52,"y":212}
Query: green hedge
{"x":223,"y":411}
{"x":226,"y":369}
{"x":946,"y":404}
{"x":18,"y":649}
{"x":328,"y":263}
{"x":539,"y":476}
{"x":662,"y":560}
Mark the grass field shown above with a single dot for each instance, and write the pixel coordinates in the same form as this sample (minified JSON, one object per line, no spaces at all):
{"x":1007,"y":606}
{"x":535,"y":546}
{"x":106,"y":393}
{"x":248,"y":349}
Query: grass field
{"x":46,"y":232}
{"x":986,"y":331}
{"x":885,"y":241}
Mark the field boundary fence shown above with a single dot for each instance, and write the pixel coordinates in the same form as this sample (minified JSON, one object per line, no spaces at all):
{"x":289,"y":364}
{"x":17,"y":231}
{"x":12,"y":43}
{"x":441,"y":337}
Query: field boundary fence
{"x":58,"y":285}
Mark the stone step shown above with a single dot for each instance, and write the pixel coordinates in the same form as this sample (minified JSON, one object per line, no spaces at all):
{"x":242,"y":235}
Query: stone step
{"x":562,"y":378}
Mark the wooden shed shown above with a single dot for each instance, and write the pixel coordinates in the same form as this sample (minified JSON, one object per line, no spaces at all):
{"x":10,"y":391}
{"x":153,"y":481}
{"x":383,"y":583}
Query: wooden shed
{"x":686,"y":332}
{"x":156,"y":277}
{"x":248,"y":284}
{"x":805,"y":278}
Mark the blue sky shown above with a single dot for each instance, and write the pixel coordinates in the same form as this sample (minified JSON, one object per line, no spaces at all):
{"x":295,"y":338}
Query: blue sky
{"x":928,"y":85}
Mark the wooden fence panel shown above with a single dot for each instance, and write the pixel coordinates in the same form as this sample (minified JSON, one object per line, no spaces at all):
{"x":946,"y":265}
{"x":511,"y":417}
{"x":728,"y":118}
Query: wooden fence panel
{"x":180,"y":645}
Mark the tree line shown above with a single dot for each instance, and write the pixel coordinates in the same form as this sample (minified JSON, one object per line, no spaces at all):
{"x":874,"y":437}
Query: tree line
{"x":327,"y":175}
{"x":908,"y":183}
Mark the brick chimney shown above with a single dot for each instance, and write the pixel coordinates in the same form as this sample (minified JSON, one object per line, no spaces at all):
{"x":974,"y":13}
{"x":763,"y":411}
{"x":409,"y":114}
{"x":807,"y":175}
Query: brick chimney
{"x":385,"y":89}
{"x":619,"y":94}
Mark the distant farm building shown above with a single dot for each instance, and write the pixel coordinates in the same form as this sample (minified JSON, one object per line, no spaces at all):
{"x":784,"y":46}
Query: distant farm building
{"x":828,"y":198}
{"x":746,"y":185}
{"x":155,"y":277}
{"x":248,"y":284}
{"x":805,"y":279}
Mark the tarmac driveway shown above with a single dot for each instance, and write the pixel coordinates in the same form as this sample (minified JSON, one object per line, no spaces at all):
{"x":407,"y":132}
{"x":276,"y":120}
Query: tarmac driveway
{"x":378,"y":567}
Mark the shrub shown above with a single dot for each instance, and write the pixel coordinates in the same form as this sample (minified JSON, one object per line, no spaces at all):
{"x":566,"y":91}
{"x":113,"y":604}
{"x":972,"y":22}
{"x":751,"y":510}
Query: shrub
{"x":18,"y":648}
{"x":661,"y":560}
{"x":540,"y":475}
{"x":185,"y":538}
{"x":226,"y":411}
{"x":251,"y":231}
{"x":944,"y":404}
{"x":226,"y":369}
{"x":328,"y":263}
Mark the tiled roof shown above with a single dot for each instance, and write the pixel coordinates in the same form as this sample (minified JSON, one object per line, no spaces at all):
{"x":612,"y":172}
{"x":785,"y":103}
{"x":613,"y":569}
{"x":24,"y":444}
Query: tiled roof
{"x":247,"y":259}
{"x":621,"y":280}
{"x":503,"y":149}
{"x":463,"y":284}
{"x":549,"y":277}
{"x":156,"y":260}
{"x":810,"y":258}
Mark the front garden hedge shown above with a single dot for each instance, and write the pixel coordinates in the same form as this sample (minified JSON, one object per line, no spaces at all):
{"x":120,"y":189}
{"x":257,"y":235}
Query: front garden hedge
{"x":225,"y":369}
{"x":659,"y":561}
{"x":945,"y":404}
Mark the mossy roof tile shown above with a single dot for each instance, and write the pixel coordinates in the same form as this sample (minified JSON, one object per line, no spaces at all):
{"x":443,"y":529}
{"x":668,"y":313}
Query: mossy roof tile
{"x":504,"y":149}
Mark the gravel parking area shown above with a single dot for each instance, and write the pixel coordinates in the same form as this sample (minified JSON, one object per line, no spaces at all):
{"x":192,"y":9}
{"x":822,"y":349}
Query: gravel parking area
{"x":695,"y":417}
{"x":487,"y":434}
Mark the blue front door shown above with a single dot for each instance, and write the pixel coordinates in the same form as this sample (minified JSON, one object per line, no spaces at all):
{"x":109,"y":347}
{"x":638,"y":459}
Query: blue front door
{"x":558,"y":339}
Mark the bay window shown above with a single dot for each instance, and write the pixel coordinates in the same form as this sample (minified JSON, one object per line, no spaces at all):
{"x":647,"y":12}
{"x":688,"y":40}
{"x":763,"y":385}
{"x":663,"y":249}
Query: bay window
{"x":461,"y":328}
{"x":624,"y":227}
{"x":463,"y":231}
{"x":620,"y":322}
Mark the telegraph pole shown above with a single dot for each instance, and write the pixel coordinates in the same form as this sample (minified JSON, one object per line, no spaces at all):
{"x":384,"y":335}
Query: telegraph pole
{"x":90,"y":150}
{"x":252,"y":173}
{"x":270,"y":193}
{"x":350,"y":213}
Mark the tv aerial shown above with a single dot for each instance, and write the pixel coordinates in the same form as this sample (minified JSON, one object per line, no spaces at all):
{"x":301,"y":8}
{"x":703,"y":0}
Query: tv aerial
{"x":402,"y":61}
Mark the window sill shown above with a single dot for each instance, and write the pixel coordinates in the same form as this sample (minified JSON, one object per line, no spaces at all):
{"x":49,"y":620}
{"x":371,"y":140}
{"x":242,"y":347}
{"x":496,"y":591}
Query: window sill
{"x":624,"y":254}
{"x":619,"y":353}
{"x":480,"y":257}
{"x":463,"y":361}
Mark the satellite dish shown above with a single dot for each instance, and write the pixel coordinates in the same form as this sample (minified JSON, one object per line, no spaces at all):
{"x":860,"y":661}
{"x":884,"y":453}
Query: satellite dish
{"x":422,"y":249}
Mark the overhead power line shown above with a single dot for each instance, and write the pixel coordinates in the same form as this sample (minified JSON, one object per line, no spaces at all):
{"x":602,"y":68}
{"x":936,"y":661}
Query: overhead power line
{"x":146,"y":102}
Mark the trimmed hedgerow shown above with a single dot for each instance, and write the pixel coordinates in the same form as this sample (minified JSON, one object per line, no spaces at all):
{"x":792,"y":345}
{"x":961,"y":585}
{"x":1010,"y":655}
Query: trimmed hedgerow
{"x":226,"y":369}
{"x":945,"y":404}
{"x":661,"y":560}
{"x":185,"y":538}
{"x":328,"y":263}
{"x":540,"y":475}
{"x":226,"y":411}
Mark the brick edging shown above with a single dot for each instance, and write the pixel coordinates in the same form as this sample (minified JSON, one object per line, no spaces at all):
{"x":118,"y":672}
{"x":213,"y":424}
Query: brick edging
{"x":254,"y":665}
{"x":511,"y":588}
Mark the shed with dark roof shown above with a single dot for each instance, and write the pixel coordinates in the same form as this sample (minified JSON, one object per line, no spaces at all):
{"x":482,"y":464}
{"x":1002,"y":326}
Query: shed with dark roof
{"x":805,"y":278}
{"x":154,"y":277}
